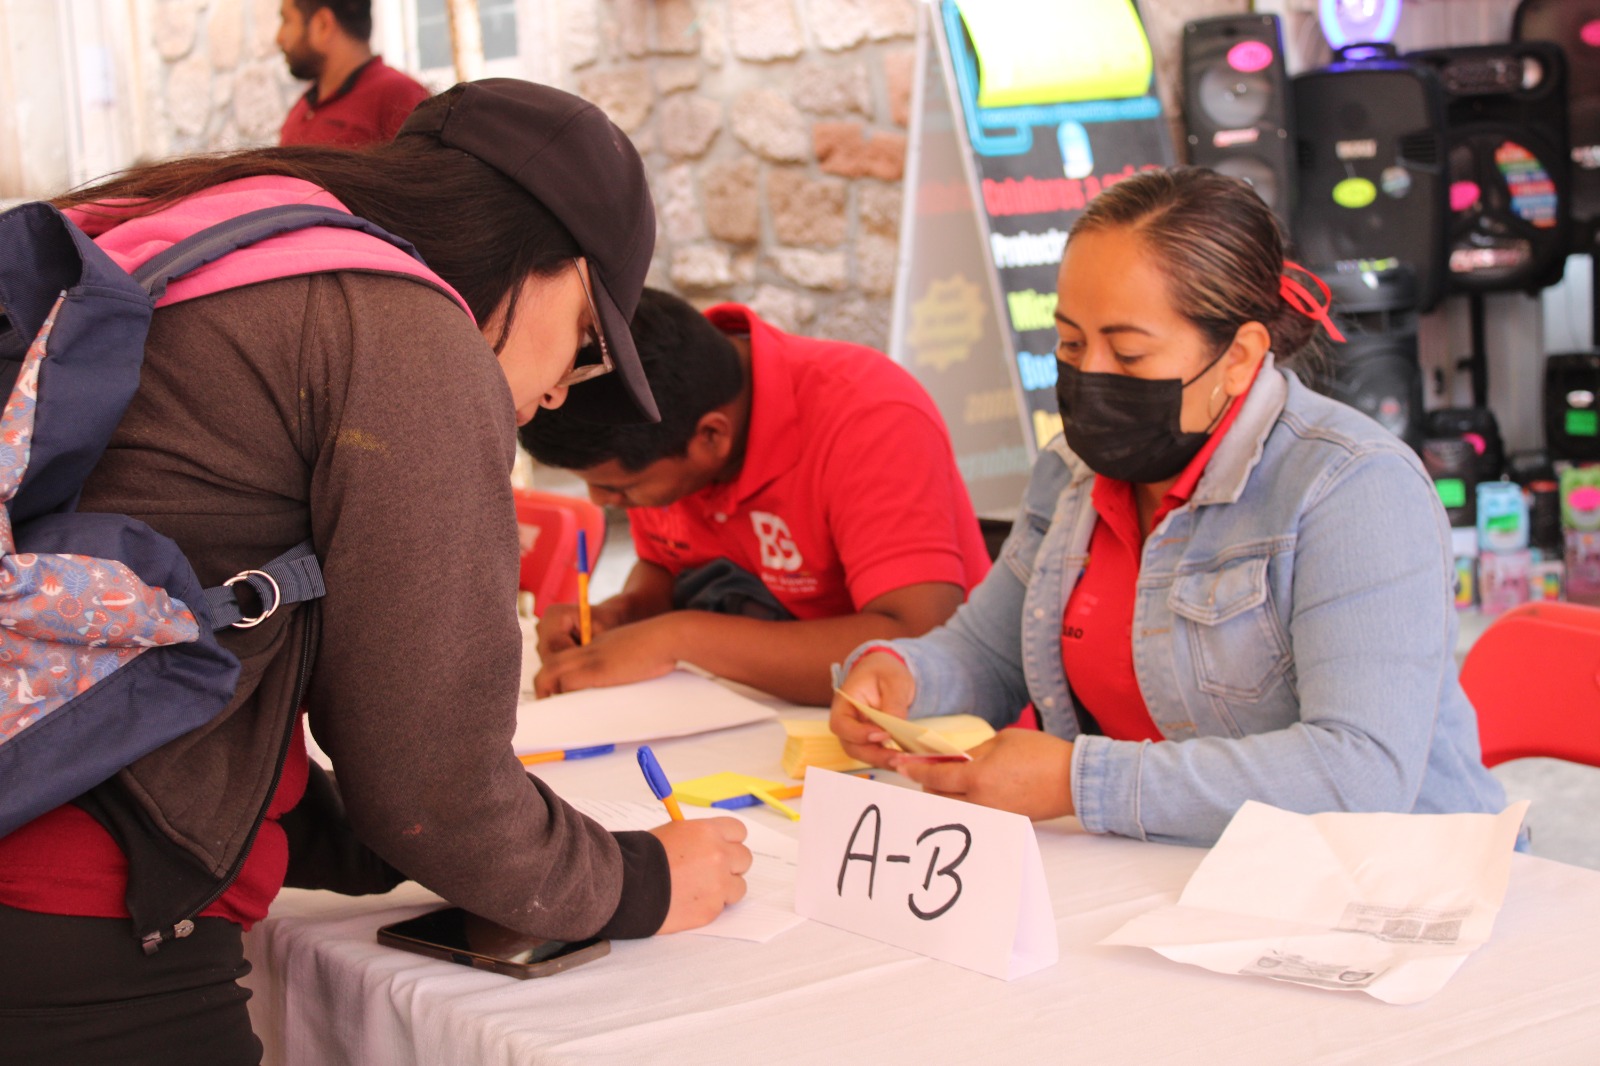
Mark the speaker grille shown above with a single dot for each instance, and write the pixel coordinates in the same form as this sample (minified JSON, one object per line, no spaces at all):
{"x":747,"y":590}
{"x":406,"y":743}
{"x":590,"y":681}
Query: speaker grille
{"x":1231,"y":100}
{"x":1421,"y":148}
{"x":1236,"y":112}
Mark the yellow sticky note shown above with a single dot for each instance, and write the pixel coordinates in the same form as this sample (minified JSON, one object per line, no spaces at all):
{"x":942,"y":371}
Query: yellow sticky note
{"x":713,"y":788}
{"x":811,"y":743}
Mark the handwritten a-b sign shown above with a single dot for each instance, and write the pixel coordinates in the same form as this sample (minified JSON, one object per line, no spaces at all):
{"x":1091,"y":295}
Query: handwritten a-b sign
{"x":947,"y":879}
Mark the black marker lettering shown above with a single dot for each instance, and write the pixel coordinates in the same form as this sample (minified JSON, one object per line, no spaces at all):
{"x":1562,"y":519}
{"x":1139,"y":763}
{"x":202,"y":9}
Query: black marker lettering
{"x":868,"y":857}
{"x":947,"y":870}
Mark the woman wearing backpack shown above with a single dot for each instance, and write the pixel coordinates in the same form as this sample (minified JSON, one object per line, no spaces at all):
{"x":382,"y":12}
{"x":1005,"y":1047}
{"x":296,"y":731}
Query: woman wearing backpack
{"x":304,"y":392}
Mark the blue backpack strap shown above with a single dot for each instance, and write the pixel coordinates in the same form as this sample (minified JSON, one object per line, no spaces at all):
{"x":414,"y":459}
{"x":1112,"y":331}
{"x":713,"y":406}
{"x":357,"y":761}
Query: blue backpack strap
{"x":292,"y":577}
{"x":97,"y":348}
{"x":216,"y":241}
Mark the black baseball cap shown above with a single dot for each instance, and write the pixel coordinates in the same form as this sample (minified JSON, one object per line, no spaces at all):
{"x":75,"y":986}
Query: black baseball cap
{"x":579,"y":165}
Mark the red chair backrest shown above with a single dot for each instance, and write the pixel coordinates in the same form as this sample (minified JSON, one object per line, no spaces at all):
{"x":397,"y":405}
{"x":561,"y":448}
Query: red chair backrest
{"x":1534,"y":678}
{"x":547,"y":531}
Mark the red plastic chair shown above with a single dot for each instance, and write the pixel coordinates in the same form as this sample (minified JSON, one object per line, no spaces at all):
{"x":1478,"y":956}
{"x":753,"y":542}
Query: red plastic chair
{"x":547,"y":531}
{"x":1534,"y":678}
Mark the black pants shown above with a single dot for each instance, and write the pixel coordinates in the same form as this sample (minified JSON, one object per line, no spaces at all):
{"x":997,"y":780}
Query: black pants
{"x":80,"y":991}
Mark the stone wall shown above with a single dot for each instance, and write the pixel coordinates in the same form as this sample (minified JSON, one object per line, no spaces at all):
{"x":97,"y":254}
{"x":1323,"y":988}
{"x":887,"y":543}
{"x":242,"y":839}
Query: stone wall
{"x":775,"y":131}
{"x":219,"y":80}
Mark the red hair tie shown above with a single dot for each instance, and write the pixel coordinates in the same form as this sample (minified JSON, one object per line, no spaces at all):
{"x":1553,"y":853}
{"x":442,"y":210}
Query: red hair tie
{"x":1299,"y":297}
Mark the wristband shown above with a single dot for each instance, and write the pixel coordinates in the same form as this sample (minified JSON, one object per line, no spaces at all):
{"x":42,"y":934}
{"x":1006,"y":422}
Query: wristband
{"x":884,"y":649}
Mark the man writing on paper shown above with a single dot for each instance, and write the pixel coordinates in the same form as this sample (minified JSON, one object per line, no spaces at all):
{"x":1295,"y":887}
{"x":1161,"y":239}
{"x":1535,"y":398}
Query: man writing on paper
{"x":798,"y":497}
{"x":354,"y":99}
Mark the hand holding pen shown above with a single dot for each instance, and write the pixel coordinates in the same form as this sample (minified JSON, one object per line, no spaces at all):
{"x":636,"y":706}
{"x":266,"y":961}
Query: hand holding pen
{"x":707,"y":856}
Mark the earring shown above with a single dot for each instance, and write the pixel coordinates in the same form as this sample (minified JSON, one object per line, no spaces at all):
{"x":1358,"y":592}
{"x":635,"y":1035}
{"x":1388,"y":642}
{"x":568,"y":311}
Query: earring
{"x":1210,"y":399}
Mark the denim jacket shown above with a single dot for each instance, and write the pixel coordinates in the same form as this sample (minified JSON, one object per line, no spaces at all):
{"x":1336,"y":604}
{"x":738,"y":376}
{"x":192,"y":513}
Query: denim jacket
{"x":1293,"y":634}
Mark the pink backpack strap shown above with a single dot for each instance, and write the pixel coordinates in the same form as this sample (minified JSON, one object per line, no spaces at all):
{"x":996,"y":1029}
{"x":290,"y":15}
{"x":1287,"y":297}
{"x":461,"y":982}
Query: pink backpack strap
{"x":132,"y":242}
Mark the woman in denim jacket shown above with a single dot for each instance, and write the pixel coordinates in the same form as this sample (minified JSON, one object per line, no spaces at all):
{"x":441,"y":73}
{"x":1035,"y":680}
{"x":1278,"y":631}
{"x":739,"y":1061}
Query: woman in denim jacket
{"x":1286,"y":564}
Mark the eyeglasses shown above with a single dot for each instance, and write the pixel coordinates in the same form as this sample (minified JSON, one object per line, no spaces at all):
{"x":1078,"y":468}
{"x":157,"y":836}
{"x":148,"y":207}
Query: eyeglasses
{"x":589,"y":371}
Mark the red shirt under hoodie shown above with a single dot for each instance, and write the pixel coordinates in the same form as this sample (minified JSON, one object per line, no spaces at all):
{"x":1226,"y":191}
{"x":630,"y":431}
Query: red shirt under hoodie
{"x":1097,"y":627}
{"x":64,"y":862}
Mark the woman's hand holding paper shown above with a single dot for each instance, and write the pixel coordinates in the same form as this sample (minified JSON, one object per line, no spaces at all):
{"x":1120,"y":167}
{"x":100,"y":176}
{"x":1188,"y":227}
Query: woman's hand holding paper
{"x":881,"y":681}
{"x":1020,"y":770}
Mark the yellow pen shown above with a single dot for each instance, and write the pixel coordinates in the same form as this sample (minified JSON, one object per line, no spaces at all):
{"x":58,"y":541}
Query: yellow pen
{"x":791,"y":791}
{"x":584,"y":624}
{"x":771,"y":800}
{"x":569,"y":755}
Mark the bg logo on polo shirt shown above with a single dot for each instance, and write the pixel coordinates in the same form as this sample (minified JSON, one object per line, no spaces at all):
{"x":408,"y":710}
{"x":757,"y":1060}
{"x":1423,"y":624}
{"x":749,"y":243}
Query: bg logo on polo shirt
{"x":778,"y":551}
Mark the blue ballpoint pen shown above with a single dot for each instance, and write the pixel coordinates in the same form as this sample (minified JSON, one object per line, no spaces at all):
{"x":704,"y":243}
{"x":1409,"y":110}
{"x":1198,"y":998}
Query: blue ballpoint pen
{"x":658,"y":782}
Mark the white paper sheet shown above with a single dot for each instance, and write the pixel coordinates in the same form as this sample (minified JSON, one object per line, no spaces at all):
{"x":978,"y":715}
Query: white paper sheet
{"x":679,"y":704}
{"x":768,"y":906}
{"x":1386,"y":904}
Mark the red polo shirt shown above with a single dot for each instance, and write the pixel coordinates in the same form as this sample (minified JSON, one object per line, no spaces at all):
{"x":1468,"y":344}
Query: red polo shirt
{"x":1097,"y":626}
{"x":369,"y":108}
{"x":849,"y":488}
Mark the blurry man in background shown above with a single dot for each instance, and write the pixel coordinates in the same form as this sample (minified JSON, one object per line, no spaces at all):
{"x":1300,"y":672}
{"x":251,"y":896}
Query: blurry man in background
{"x":354,"y":99}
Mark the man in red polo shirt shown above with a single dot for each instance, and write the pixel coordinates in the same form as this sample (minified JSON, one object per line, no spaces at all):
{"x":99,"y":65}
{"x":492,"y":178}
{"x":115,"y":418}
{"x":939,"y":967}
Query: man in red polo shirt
{"x":798,"y":497}
{"x":354,"y":99}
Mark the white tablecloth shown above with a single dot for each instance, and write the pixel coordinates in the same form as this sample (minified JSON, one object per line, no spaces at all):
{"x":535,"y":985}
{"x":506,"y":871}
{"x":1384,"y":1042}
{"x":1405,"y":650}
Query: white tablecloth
{"x":326,"y":993}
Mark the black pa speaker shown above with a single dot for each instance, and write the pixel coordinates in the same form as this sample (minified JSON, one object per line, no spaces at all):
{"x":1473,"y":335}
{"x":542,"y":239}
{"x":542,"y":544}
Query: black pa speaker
{"x":1370,"y":185}
{"x":1236,"y":104}
{"x":1477,"y":426}
{"x":1448,"y":460}
{"x":1510,"y":187}
{"x":1379,"y":376}
{"x":1572,"y":406}
{"x":1376,"y":370}
{"x":1574,"y":25}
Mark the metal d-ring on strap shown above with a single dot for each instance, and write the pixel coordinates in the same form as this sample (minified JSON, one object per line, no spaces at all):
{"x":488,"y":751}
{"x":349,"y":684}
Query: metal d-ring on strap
{"x":293,"y":577}
{"x":277,"y":596}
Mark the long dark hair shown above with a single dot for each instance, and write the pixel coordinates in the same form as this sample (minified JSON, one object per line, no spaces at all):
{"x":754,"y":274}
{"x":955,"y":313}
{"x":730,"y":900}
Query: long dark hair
{"x":476,"y":228}
{"x":1220,"y":247}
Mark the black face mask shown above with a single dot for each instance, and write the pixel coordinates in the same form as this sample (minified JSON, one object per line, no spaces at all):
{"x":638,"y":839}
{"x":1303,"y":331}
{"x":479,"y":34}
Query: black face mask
{"x":1128,"y":428}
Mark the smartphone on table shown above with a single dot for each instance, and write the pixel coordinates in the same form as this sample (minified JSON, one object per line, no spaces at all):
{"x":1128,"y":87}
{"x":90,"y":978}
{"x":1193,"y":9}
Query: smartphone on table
{"x":462,"y":937}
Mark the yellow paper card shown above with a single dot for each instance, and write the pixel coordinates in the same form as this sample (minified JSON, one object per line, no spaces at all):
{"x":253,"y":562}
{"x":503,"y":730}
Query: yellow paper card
{"x":928,"y":736}
{"x":713,"y":788}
